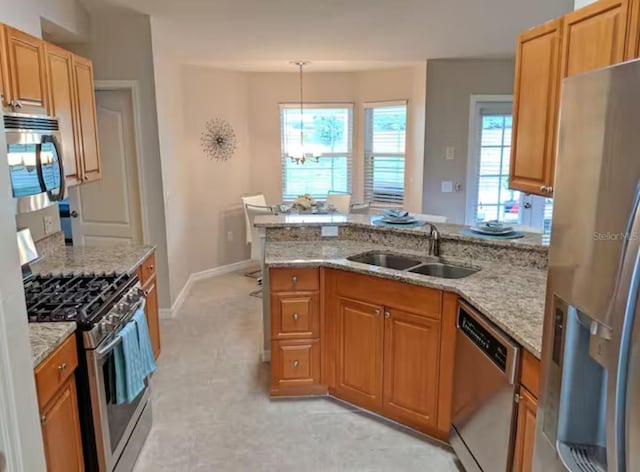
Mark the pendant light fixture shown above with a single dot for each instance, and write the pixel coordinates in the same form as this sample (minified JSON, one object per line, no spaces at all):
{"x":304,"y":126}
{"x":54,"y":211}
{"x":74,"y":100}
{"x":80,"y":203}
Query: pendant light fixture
{"x":301,"y":154}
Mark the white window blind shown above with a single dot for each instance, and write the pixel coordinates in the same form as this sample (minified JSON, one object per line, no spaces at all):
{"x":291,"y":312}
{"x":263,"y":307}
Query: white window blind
{"x":328,"y":132}
{"x":385,"y":152}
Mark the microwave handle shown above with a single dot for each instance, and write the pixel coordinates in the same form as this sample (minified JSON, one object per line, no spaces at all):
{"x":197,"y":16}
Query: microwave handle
{"x":63,"y":189}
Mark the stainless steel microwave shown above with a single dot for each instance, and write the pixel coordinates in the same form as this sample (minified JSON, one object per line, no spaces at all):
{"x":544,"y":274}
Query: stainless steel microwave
{"x":35,"y":160}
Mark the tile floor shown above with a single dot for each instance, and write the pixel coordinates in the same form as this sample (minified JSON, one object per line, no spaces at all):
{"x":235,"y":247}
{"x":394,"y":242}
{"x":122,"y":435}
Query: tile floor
{"x":212,"y":411}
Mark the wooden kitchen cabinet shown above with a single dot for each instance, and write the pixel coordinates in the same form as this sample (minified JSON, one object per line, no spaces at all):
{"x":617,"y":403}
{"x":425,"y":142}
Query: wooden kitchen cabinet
{"x":62,"y":104}
{"x":359,"y":336}
{"x":535,"y":109}
{"x":525,"y":432}
{"x":594,"y":36}
{"x":295,"y":366}
{"x":4,"y":68}
{"x":27,"y":77}
{"x":411,"y":367}
{"x":146,"y":273}
{"x":86,"y":121}
{"x":59,"y":414}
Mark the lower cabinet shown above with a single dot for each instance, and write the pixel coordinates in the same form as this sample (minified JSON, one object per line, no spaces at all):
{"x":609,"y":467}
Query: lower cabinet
{"x":411,"y":367}
{"x":147,"y":276}
{"x":359,"y":336}
{"x":59,"y":415}
{"x":525,"y":432}
{"x":295,"y":366}
{"x":61,"y":431}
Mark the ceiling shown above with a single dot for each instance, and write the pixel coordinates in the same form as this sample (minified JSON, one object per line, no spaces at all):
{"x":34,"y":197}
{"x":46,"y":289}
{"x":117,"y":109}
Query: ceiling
{"x":339,"y":34}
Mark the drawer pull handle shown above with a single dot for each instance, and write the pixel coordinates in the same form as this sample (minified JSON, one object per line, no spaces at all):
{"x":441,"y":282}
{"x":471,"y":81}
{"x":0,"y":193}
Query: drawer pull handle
{"x":294,"y":279}
{"x":62,"y":367}
{"x":296,"y":363}
{"x":295,"y":316}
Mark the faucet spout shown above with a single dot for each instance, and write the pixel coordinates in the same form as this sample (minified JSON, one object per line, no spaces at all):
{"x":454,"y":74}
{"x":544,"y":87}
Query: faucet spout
{"x":434,"y":240}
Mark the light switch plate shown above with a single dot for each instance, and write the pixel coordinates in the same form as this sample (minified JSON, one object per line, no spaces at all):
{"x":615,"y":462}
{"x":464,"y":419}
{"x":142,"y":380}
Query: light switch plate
{"x":447,"y":186}
{"x":329,"y":231}
{"x":450,"y":153}
{"x":48,"y":224}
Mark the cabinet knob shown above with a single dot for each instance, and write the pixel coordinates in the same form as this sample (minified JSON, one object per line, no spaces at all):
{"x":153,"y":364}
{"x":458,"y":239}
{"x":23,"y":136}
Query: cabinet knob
{"x":543,"y":189}
{"x":294,"y":279}
{"x":62,"y":367}
{"x":43,"y":419}
{"x":296,"y":363}
{"x":85,"y":178}
{"x":295,"y":316}
{"x":387,"y":314}
{"x":550,"y":190}
{"x":376,"y":312}
{"x":151,"y":267}
{"x":517,"y":398}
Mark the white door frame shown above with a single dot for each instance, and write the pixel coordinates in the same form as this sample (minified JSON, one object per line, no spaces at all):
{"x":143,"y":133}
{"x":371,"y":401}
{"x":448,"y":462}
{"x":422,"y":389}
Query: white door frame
{"x":133,"y":87}
{"x":472,"y":160}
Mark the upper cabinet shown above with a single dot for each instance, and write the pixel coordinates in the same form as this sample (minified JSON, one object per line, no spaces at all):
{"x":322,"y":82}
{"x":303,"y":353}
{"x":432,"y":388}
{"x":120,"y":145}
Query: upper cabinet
{"x":86,"y":120}
{"x":594,"y":36}
{"x":27,"y":88}
{"x":598,"y":35}
{"x":535,"y":108}
{"x":62,"y":104}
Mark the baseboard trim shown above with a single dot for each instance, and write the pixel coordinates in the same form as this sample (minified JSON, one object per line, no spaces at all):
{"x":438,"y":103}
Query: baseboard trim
{"x":169,"y":313}
{"x":266,"y":356}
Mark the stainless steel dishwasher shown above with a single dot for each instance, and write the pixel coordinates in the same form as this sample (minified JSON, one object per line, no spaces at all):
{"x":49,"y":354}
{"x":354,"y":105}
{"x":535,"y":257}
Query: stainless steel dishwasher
{"x":484,"y":394}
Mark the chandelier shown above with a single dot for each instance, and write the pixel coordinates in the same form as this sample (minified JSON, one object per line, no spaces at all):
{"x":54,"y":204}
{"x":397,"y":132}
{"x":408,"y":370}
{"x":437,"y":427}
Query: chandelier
{"x":299,"y":155}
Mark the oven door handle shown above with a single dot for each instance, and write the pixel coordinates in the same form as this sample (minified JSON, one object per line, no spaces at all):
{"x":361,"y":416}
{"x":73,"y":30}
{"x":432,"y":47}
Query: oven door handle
{"x":103,"y":352}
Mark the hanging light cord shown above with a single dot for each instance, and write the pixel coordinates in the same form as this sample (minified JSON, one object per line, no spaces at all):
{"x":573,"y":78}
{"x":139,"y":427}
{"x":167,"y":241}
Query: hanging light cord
{"x":300,"y":65}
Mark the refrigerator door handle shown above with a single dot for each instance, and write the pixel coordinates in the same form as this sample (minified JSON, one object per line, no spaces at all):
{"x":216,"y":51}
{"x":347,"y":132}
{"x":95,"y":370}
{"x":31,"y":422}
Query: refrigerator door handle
{"x":629,"y":258}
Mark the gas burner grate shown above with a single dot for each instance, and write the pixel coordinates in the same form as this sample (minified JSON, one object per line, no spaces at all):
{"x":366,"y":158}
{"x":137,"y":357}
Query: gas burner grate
{"x":70,"y":297}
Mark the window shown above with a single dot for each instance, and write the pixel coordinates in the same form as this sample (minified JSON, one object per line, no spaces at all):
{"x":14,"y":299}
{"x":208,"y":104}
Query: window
{"x":384,"y":152}
{"x":328,"y":133}
{"x":489,"y":197}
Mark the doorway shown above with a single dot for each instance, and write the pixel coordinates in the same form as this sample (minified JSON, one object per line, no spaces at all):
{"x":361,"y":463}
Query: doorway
{"x":109,"y":211}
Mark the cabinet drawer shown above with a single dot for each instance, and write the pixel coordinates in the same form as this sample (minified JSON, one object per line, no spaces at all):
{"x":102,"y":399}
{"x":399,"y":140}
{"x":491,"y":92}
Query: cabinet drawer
{"x":147,"y":270}
{"x":295,"y":315}
{"x":55,"y":370}
{"x":287,"y":280}
{"x":530,"y":376}
{"x":295,"y":363}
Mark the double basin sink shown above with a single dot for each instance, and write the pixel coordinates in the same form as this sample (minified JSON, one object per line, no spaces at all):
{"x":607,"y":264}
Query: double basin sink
{"x":432,"y":268}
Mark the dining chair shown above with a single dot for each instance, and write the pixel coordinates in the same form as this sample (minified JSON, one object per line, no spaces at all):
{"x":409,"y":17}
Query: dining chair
{"x":360,"y":208}
{"x":257,"y":241}
{"x":340,"y":201}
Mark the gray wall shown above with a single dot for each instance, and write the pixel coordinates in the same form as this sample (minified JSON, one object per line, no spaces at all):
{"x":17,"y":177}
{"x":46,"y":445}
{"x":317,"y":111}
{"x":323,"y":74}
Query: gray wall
{"x":450,"y":84}
{"x":120,"y":48}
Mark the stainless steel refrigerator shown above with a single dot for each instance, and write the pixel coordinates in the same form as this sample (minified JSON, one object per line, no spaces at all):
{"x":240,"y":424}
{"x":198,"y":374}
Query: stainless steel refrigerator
{"x":589,"y":410}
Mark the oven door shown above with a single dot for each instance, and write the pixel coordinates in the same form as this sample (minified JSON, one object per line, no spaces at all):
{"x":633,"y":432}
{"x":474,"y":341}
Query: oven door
{"x":113,"y":423}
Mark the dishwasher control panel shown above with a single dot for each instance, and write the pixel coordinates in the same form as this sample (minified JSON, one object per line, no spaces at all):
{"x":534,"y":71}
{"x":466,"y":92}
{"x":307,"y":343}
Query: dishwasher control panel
{"x":482,"y":338}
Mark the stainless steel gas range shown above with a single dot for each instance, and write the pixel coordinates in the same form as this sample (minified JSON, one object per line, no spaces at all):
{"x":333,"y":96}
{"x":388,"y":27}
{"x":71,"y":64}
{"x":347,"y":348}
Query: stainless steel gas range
{"x":101,"y":304}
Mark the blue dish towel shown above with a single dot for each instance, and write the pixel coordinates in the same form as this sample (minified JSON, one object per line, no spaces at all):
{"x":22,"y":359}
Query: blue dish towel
{"x":134,"y":360}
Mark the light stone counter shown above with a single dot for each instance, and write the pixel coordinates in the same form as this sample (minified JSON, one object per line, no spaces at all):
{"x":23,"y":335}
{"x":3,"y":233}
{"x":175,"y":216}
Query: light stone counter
{"x":86,"y":259}
{"x":46,"y":337}
{"x":511,"y":296}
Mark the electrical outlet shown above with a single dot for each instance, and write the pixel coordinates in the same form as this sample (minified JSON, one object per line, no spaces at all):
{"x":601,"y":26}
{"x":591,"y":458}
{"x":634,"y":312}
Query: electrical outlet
{"x":229,"y":236}
{"x":450,"y":153}
{"x":48,"y":224}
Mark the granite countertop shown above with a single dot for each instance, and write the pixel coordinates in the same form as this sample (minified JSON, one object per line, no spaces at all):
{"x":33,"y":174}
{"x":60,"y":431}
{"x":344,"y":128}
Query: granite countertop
{"x":80,"y":259}
{"x":511,"y":297}
{"x":531,"y":241}
{"x":46,"y":337}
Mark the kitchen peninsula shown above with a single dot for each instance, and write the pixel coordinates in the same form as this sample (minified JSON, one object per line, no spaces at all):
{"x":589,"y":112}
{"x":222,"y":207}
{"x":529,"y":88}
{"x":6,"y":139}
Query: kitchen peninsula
{"x":384,"y":339}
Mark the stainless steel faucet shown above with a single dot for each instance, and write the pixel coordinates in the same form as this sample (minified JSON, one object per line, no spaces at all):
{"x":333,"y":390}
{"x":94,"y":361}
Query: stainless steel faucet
{"x":434,"y":240}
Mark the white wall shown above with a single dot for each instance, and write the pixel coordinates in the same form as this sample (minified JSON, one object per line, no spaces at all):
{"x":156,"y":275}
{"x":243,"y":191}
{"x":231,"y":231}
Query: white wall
{"x":450,"y":84}
{"x":581,"y":3}
{"x":20,"y":434}
{"x":127,"y":55}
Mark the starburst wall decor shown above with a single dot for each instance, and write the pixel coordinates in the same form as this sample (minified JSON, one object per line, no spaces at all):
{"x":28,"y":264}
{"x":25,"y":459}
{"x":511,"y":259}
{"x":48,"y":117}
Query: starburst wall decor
{"x":218,"y":139}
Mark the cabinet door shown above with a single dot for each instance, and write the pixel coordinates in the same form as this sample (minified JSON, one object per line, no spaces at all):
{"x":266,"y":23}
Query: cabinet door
{"x":359,"y":353}
{"x":86,"y":121}
{"x":525,"y":432}
{"x":5,"y":95}
{"x":295,"y":315}
{"x":62,"y":106}
{"x":535,"y":108}
{"x":632,"y":48}
{"x":27,"y":71}
{"x":411,"y":367}
{"x":61,"y":431}
{"x":594,"y":36}
{"x":153,"y":319}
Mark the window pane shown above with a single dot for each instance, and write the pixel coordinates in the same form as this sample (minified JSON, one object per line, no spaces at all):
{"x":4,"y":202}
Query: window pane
{"x":325,"y":130}
{"x":316,"y":178}
{"x":388,"y":178}
{"x":389,"y":129}
{"x":490,"y":160}
{"x":488,"y":190}
{"x":492,"y":126}
{"x":487,"y":213}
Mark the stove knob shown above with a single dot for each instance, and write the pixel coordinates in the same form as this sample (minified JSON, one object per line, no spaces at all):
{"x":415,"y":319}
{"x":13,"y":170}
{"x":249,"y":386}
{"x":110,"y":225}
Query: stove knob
{"x":133,"y":296}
